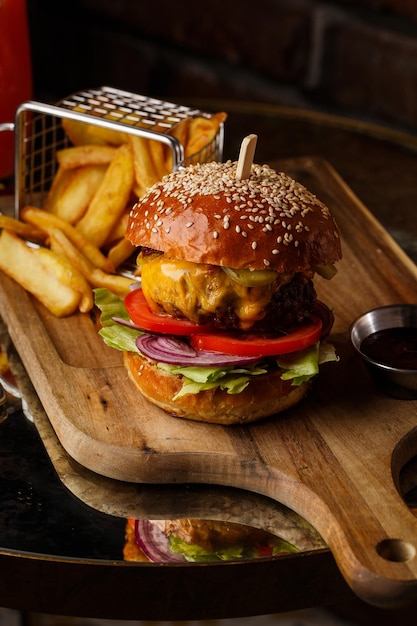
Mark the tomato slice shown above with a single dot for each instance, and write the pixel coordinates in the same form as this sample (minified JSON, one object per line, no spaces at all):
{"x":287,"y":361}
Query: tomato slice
{"x":258,"y":345}
{"x":202,"y":336}
{"x":141,"y":315}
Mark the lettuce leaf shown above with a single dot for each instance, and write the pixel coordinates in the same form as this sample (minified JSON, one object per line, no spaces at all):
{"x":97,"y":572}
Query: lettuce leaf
{"x":115,"y":335}
{"x":302,"y":365}
{"x":110,"y":306}
{"x":119,"y":337}
{"x":195,"y":553}
{"x":228,"y":378}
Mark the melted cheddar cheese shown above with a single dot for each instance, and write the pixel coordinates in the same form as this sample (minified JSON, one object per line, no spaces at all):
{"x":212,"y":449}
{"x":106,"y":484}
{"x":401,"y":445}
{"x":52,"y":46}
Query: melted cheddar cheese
{"x":199,"y":292}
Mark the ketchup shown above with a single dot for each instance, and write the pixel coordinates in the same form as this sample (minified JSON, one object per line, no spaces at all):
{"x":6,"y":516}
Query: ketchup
{"x":15,"y":73}
{"x":395,"y":347}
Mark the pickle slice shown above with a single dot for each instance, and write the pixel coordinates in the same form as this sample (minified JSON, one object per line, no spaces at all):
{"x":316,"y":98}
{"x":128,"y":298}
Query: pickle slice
{"x":327,"y":271}
{"x":251,"y":278}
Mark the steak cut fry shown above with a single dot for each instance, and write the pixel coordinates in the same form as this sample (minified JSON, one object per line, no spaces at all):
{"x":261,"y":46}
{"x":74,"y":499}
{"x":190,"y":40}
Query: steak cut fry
{"x":110,"y":200}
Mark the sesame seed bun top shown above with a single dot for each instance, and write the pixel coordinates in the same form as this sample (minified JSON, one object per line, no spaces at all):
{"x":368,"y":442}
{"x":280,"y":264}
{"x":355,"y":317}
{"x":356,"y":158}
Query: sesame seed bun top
{"x":204,"y":214}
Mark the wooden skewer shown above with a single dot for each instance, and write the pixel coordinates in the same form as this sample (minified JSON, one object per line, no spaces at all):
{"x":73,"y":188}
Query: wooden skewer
{"x":246,"y":154}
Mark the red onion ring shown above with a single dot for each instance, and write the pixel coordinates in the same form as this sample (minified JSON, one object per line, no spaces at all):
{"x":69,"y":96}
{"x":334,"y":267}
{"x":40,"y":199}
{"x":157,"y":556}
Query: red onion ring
{"x":127,"y":323}
{"x":176,"y":351}
{"x":155,"y":544}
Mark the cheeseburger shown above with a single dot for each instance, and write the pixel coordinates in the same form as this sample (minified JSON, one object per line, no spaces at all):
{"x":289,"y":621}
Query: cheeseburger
{"x":224,"y":324}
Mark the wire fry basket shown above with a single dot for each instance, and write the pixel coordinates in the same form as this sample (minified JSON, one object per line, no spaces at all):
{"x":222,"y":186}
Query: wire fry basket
{"x":39,"y":133}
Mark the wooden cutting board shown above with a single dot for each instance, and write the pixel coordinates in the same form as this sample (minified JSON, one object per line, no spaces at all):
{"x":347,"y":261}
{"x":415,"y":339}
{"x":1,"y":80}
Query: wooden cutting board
{"x":334,"y":459}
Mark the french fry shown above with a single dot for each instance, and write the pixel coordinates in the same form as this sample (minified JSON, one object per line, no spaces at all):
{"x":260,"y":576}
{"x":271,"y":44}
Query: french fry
{"x":110,"y":200}
{"x":79,"y":156}
{"x":117,"y":284}
{"x":74,"y":200}
{"x":60,"y":241}
{"x":137,"y":190}
{"x":107,"y":135}
{"x":69,"y":275}
{"x":202,"y":131}
{"x":180,"y":131}
{"x":120,"y":285}
{"x":120,"y":252}
{"x":145,"y":172}
{"x":24,"y":265}
{"x":118,"y":231}
{"x":61,"y":179}
{"x":27,"y":231}
{"x":47,"y":222}
{"x":157,"y":153}
{"x":81,"y":133}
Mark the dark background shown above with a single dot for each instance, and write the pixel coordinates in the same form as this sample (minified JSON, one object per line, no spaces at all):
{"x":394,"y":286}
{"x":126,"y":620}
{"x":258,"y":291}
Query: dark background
{"x":353,"y":57}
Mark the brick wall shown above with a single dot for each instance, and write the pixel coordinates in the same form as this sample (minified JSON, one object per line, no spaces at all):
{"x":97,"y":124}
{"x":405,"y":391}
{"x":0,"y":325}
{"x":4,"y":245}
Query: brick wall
{"x":357,"y":57}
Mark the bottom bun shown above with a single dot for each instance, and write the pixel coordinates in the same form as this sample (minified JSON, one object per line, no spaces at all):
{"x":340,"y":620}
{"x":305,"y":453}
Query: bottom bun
{"x":267,"y":395}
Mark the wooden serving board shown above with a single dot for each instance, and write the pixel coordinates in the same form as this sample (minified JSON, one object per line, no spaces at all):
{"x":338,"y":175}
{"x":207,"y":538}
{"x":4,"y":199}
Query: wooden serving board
{"x":334,"y":459}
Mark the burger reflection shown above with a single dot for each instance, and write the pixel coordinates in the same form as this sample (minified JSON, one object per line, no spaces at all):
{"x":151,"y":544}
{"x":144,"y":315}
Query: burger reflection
{"x":196,"y":540}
